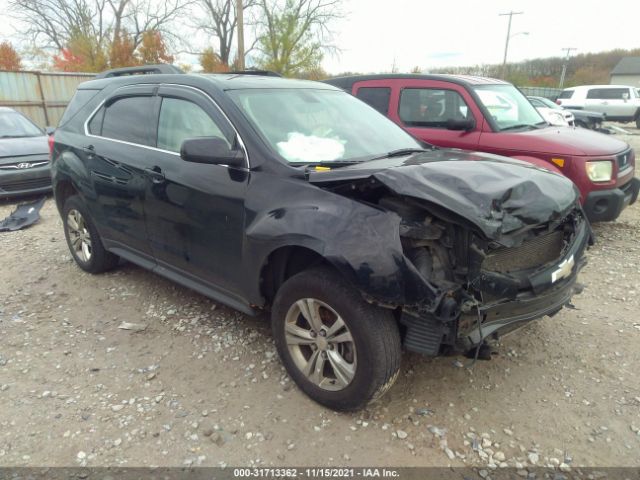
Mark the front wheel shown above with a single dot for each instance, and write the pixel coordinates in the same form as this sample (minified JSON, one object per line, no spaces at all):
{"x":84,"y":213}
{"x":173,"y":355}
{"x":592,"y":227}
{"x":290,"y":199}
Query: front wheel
{"x":340,"y":350}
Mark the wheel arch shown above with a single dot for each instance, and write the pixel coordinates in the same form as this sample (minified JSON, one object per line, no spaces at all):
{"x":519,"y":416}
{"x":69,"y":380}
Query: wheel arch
{"x":64,"y":189}
{"x":283,"y":263}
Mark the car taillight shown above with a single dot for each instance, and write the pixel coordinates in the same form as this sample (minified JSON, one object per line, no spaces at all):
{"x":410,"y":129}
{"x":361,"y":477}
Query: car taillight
{"x":50,"y":140}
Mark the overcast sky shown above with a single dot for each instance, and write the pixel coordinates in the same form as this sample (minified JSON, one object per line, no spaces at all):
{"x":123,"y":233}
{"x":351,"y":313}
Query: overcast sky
{"x":438,"y":33}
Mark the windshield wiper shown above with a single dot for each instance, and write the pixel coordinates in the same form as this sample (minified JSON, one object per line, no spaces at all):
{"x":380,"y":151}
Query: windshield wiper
{"x":15,"y":136}
{"x":519,"y":125}
{"x":401,"y":152}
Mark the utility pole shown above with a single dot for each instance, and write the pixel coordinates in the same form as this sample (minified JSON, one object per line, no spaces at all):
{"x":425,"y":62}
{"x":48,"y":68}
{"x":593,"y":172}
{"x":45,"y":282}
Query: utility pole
{"x":564,"y":65}
{"x":506,"y":45}
{"x":240,"y":20}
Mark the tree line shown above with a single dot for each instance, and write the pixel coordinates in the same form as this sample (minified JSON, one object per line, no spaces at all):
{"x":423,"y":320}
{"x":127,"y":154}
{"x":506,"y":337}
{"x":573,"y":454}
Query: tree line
{"x":582,"y":69}
{"x":289,"y":36}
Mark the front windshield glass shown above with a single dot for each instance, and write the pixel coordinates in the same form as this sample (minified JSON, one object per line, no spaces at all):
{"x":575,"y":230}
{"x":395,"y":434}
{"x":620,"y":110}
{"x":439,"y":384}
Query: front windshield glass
{"x":508,"y":107}
{"x":314,"y":126}
{"x":14,"y":125}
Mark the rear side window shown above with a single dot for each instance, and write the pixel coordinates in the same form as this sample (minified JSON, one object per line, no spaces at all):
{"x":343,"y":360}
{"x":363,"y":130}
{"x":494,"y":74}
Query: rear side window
{"x":376,"y":97}
{"x":594,"y":93}
{"x":608,"y":93}
{"x":566,"y":94}
{"x":79,"y":100}
{"x":127,"y":119}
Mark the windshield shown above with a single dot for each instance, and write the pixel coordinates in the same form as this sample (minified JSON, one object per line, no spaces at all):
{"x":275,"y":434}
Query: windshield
{"x":508,"y":107}
{"x":549,"y":104}
{"x":313,"y":126}
{"x":14,"y":125}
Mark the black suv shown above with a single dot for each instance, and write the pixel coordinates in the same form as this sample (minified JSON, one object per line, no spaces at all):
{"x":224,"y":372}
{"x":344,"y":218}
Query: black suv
{"x":295,"y":197}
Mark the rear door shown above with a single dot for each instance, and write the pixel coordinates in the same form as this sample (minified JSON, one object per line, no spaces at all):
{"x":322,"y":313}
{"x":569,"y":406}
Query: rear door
{"x":117,"y":151}
{"x":194,"y":211}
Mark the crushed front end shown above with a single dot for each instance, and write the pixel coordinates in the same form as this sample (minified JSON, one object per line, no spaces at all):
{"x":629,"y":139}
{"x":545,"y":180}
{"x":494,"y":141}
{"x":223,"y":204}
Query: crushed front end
{"x":488,"y":244}
{"x":489,"y":289}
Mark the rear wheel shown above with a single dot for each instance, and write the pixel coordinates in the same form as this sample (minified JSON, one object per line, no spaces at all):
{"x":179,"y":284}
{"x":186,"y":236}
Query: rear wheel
{"x":638,"y":121}
{"x":340,"y":350}
{"x":83,"y":240}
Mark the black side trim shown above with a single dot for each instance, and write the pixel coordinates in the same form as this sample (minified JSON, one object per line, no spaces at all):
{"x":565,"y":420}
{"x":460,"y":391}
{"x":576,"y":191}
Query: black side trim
{"x":194,"y":284}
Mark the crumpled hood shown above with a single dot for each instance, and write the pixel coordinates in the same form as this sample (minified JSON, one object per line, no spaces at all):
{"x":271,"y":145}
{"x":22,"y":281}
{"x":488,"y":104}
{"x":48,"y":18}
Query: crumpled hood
{"x":497,"y":194}
{"x":17,"y":147}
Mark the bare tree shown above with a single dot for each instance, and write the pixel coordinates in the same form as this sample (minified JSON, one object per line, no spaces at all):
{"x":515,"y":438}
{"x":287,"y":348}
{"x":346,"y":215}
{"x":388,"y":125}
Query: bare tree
{"x":52,"y":24}
{"x":220,"y":21}
{"x":295,"y":34}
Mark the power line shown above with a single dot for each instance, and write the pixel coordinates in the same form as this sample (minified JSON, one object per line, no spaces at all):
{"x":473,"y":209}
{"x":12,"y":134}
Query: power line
{"x":240,"y":20}
{"x":564,"y":65}
{"x":506,"y":45}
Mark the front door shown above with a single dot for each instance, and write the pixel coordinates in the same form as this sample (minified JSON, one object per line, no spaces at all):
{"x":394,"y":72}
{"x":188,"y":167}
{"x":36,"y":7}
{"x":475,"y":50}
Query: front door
{"x":195,"y":211}
{"x":426,"y":111}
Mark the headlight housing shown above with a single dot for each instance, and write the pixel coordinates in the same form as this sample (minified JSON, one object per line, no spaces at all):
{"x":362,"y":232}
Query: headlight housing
{"x":558,"y":118}
{"x":600,"y":170}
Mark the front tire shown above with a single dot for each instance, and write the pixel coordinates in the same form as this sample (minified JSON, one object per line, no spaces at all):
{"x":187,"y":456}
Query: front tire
{"x":340,"y":350}
{"x":83,"y":239}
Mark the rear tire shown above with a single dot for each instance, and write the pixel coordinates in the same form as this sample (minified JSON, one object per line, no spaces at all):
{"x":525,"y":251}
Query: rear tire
{"x":83,"y":239}
{"x":638,"y":121}
{"x":350,"y":349}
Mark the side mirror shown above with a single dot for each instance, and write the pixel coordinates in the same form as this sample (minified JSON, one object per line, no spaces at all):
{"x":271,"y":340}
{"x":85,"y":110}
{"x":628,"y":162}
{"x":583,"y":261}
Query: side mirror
{"x":213,"y":150}
{"x":467,"y":124}
{"x":49,"y":130}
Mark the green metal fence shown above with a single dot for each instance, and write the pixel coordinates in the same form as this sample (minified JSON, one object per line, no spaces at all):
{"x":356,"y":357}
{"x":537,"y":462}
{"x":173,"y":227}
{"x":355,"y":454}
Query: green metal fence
{"x":41,"y":96}
{"x":547,"y":92}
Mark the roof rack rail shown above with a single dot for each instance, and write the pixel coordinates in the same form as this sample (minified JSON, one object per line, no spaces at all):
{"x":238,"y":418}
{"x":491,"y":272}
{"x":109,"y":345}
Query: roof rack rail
{"x":142,"y":69}
{"x":255,"y":71}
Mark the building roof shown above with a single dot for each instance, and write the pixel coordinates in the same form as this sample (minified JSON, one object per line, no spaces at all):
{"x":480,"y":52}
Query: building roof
{"x":627,"y":66}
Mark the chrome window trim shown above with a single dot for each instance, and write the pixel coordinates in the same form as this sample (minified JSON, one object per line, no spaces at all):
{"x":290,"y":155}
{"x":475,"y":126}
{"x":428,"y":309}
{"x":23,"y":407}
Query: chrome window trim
{"x":240,"y":140}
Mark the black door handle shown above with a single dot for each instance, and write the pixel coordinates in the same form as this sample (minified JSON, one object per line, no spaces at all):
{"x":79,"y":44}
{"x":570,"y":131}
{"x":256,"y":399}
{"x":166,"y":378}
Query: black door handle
{"x":89,"y":150}
{"x":156,"y":174}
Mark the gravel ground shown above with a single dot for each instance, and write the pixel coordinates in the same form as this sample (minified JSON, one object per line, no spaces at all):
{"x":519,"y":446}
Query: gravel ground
{"x":202,"y":385}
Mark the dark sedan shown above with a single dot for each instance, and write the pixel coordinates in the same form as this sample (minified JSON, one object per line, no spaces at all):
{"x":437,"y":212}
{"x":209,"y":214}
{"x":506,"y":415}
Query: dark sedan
{"x":24,"y":156}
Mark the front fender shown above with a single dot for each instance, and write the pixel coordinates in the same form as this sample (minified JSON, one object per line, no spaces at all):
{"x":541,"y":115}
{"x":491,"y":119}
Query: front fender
{"x":361,"y":241}
{"x":538,"y":162}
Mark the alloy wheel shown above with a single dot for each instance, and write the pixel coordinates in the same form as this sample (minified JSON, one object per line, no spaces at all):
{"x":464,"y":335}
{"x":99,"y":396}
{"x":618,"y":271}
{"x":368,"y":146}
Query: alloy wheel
{"x":79,"y":235}
{"x":320,"y":344}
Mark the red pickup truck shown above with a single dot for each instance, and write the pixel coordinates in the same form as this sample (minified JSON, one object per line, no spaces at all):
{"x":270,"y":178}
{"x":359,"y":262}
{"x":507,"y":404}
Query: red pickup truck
{"x":493,"y":116}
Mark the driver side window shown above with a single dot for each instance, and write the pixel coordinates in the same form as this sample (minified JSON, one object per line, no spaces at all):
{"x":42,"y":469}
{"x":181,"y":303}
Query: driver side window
{"x":181,"y":119}
{"x":431,"y":107}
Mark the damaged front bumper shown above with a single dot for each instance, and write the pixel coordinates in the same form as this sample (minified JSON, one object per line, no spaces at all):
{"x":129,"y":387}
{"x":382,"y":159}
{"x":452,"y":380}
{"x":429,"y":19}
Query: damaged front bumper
{"x":548,"y":290}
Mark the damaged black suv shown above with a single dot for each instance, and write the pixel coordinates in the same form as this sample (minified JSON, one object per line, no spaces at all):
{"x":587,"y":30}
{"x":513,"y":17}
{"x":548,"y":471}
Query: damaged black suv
{"x":295,"y":197}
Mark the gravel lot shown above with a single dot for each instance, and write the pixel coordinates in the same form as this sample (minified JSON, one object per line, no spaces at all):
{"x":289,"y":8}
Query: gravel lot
{"x":202,"y":385}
